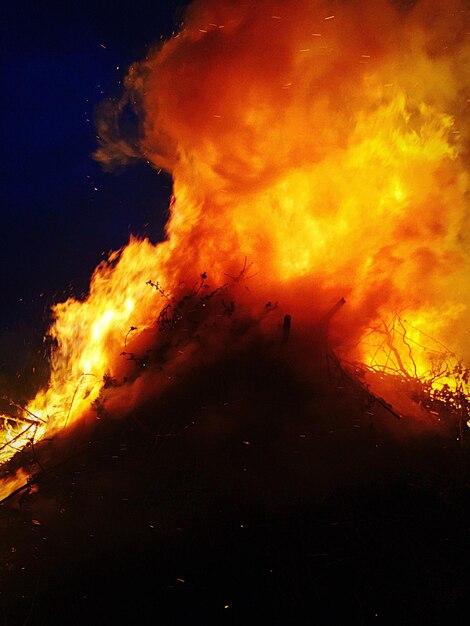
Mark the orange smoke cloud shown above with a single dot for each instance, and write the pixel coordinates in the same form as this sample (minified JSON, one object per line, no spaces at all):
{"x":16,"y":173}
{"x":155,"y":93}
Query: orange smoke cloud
{"x":323,"y":140}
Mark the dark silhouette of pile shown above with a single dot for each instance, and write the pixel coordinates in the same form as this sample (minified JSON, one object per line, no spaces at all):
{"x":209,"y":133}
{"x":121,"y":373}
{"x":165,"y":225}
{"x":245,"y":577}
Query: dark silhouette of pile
{"x":255,"y":487}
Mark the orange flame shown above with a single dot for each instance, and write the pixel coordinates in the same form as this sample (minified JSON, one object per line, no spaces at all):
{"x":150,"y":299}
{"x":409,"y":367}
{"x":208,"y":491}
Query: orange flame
{"x":327,"y":143}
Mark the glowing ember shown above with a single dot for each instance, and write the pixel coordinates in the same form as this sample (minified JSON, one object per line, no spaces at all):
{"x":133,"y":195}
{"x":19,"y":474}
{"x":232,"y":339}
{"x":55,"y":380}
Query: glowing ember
{"x":328,"y":148}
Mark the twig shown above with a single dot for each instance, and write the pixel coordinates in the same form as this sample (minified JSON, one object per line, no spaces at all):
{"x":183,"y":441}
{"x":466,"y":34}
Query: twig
{"x":18,"y":436}
{"x":24,"y":409}
{"x":410,"y":353}
{"x":74,"y":396}
{"x":357,"y":383}
{"x":158,"y":288}
{"x":21,"y":418}
{"x":131,"y":329}
{"x":237,"y":278}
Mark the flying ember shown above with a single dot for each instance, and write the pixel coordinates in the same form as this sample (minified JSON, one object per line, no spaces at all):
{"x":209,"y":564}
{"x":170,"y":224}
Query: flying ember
{"x":319,"y":149}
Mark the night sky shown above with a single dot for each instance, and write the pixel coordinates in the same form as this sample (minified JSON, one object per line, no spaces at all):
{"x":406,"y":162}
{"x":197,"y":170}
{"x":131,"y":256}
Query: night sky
{"x":60,"y":212}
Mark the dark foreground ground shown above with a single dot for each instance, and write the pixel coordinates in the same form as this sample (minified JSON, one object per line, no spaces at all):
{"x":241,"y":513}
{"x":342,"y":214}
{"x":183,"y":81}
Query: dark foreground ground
{"x":244,"y":495}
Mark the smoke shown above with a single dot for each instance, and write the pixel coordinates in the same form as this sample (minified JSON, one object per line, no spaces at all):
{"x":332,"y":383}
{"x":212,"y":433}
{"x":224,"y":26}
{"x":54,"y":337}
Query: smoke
{"x":326,"y":141}
{"x":233,"y":89}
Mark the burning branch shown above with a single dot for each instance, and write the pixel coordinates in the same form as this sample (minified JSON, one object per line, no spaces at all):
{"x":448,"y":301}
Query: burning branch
{"x":158,"y":288}
{"x":241,"y":275}
{"x":16,"y":438}
{"x":354,"y":380}
{"x":132,"y":356}
{"x":34,"y":418}
{"x":80,"y":380}
{"x":131,"y":329}
{"x":393,"y":349}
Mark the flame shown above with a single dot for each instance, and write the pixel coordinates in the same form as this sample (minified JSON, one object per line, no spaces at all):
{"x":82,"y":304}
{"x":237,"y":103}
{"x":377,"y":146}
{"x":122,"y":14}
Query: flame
{"x":327,"y":143}
{"x":12,"y":482}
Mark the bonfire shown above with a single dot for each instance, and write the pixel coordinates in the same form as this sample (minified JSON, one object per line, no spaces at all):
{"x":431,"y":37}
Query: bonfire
{"x":327,"y":151}
{"x":319,"y":223}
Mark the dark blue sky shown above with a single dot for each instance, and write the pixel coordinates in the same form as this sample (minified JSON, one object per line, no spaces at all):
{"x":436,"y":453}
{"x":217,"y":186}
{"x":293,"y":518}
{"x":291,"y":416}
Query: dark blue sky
{"x":59,"y":212}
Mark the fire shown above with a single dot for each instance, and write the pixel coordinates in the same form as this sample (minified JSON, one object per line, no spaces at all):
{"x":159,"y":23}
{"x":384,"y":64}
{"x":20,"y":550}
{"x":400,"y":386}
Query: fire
{"x":325,"y":142}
